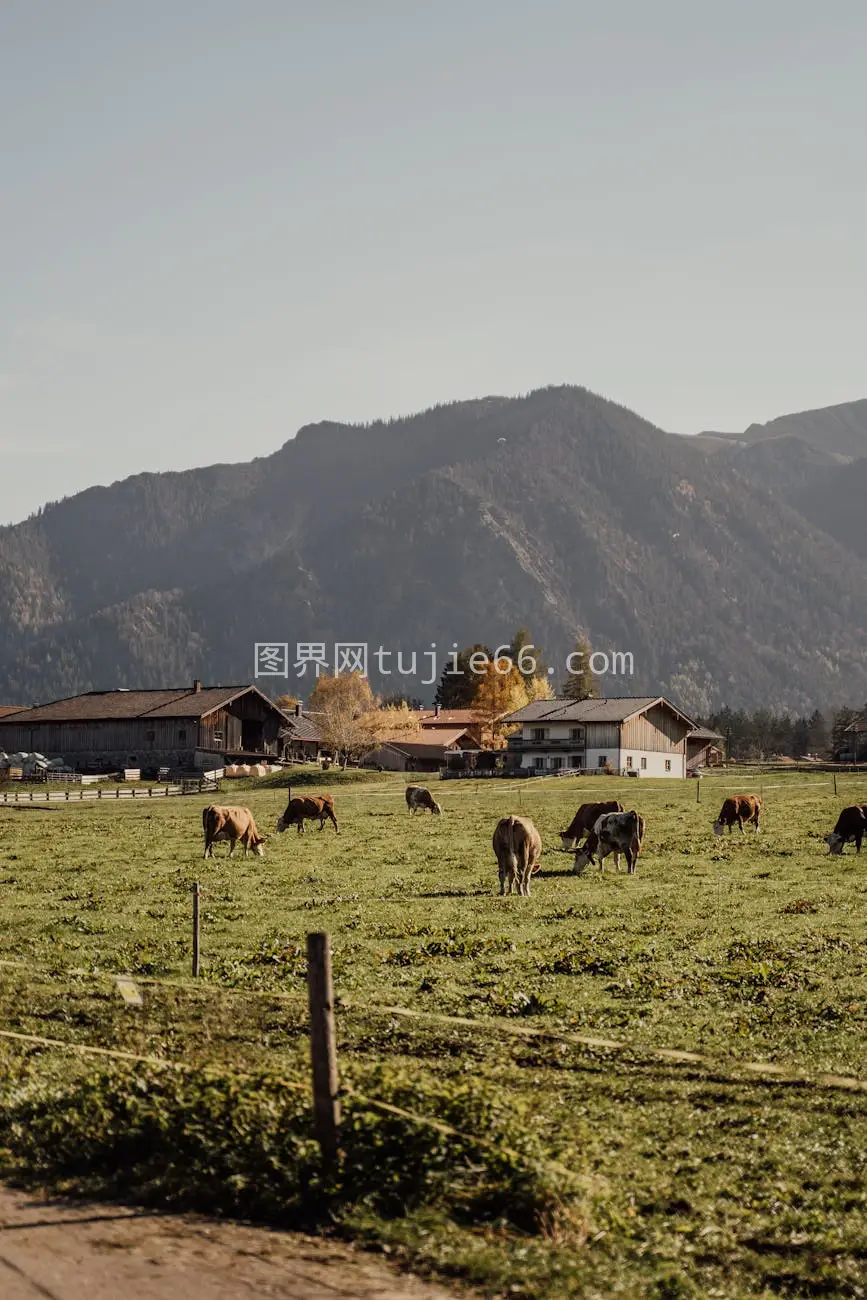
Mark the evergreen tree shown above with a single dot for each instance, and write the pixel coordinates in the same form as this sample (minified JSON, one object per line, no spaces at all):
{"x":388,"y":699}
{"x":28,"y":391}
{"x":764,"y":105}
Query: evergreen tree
{"x":456,"y":689}
{"x":580,"y":684}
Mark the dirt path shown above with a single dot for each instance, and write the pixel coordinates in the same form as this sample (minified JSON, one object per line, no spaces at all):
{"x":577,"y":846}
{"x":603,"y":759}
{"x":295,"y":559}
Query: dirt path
{"x":53,"y":1250}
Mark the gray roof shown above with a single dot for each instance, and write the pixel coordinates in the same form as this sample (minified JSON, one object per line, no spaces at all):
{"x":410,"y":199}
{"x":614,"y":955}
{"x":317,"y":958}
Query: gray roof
{"x":705,"y":733}
{"x":302,"y":728}
{"x":100,"y":706}
{"x":615,"y":709}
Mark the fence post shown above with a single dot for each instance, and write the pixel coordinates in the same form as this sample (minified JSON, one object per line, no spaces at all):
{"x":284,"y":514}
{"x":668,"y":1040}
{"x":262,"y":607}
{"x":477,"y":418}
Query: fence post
{"x":323,"y":1045}
{"x":835,"y":783}
{"x":196,"y":933}
{"x":698,"y":789}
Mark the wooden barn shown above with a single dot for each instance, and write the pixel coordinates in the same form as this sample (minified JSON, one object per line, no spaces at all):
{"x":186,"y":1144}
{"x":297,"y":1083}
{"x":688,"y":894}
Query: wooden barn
{"x":188,"y":727}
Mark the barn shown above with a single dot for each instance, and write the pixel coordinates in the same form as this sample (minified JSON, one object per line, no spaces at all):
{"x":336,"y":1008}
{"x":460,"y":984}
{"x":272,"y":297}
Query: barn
{"x":184,"y":727}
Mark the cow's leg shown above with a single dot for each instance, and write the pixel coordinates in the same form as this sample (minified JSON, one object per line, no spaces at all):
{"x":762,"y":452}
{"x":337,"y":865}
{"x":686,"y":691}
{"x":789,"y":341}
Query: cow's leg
{"x":617,"y":859}
{"x":740,"y":824}
{"x":334,"y":819}
{"x":502,"y":874}
{"x":209,"y":851}
{"x":757,"y":824}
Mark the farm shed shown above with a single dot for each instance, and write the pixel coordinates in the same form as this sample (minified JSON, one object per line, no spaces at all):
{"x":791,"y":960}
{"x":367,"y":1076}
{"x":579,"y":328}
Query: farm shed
{"x":185,"y":727}
{"x":704,"y":748}
{"x":300,"y":738}
{"x":420,"y":754}
{"x":642,"y":734}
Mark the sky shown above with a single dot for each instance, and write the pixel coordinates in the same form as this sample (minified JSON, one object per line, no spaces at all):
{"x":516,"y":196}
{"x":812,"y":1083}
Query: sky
{"x":222,"y":221}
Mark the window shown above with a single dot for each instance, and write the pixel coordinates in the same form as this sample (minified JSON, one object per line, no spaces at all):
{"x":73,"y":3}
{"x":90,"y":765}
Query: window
{"x":182,"y":735}
{"x":539,"y":761}
{"x":218,"y":736}
{"x":540,"y":733}
{"x":603,"y":760}
{"x":668,"y":765}
{"x":629,"y":761}
{"x":576,"y":735}
{"x":644,"y":765}
{"x":555,"y":763}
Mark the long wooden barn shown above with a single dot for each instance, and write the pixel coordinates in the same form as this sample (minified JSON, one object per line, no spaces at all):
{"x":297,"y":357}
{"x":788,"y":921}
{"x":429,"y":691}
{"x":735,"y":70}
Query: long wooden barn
{"x":188,"y":727}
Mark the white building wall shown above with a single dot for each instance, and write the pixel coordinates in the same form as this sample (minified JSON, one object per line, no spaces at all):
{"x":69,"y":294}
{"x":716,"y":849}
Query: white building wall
{"x":654,"y":764}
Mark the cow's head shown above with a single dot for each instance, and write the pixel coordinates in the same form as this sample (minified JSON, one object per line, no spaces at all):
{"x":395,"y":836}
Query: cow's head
{"x":435,"y":808}
{"x":259,"y":848}
{"x":583,"y":858}
{"x":282,"y":824}
{"x":718,"y":828}
{"x":568,"y":841}
{"x":835,"y":842}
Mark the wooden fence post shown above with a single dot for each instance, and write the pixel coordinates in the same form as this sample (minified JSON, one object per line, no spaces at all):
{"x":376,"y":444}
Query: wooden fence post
{"x":196,"y":931}
{"x":698,"y":789}
{"x":835,"y":783}
{"x":323,"y":1045}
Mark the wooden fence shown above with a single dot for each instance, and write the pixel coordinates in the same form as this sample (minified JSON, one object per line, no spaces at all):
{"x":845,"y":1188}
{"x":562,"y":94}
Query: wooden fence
{"x":80,"y":794}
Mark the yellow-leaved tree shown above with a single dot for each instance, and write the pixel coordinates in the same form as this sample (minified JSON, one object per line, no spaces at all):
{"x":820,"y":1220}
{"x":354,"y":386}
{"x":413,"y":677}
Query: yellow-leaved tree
{"x":501,"y":690}
{"x":340,"y":704}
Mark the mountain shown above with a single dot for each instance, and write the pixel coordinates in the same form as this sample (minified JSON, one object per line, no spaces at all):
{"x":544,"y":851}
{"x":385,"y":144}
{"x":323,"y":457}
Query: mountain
{"x":556,"y":510}
{"x":785,"y":466}
{"x":841,"y":429}
{"x":836,"y":501}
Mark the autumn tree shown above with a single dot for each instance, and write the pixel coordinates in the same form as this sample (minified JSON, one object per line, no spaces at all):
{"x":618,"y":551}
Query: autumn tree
{"x":580,"y":684}
{"x":286,"y":703}
{"x":501,"y":690}
{"x":340,"y":703}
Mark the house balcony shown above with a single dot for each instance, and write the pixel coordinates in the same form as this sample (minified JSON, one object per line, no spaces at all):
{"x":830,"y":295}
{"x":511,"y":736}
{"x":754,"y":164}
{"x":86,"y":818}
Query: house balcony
{"x":558,"y":745}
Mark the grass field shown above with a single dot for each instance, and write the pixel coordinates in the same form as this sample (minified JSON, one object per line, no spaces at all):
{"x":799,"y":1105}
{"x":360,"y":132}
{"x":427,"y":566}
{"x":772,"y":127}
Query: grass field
{"x":690,"y":1179}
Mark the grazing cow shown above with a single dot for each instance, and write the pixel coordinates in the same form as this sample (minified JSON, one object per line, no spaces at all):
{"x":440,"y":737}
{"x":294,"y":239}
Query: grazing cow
{"x":739,"y":808}
{"x":417,"y":796}
{"x":518,"y":847}
{"x":309,"y":807}
{"x":614,"y":833}
{"x":232,"y":824}
{"x":851,"y":825}
{"x":584,"y":820}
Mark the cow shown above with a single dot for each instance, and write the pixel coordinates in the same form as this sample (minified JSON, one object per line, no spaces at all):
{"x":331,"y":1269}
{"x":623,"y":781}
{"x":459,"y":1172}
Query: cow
{"x":232,"y":824}
{"x":851,"y":825}
{"x":738,"y":808}
{"x":310,"y":807}
{"x":584,"y":820}
{"x":417,"y":796}
{"x":619,"y":832}
{"x":518,"y":847}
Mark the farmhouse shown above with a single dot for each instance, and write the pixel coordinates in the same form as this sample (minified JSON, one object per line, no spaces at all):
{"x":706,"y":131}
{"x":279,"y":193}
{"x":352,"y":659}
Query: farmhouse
{"x":188,"y":727}
{"x":646,"y":735}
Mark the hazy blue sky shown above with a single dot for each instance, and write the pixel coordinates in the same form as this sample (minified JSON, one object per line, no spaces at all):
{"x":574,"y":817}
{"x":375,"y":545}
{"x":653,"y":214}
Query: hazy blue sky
{"x":220,"y":221}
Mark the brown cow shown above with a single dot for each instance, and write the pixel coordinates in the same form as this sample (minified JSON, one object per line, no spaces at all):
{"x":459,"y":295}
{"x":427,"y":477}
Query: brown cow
{"x":418,"y":796}
{"x":518,"y":847}
{"x":739,"y":808}
{"x":584,"y":820}
{"x":231,"y":823}
{"x":309,"y":807}
{"x":851,"y":825}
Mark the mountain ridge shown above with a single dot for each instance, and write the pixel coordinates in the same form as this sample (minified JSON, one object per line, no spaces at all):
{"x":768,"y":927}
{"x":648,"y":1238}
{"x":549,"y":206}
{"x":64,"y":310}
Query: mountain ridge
{"x":558,"y":509}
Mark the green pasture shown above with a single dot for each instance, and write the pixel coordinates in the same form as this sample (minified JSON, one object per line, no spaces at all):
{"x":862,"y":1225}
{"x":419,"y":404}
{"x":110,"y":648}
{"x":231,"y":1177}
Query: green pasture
{"x":694,"y":1179}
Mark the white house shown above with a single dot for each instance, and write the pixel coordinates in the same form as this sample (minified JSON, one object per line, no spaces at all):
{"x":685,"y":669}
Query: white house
{"x":645,"y":735}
